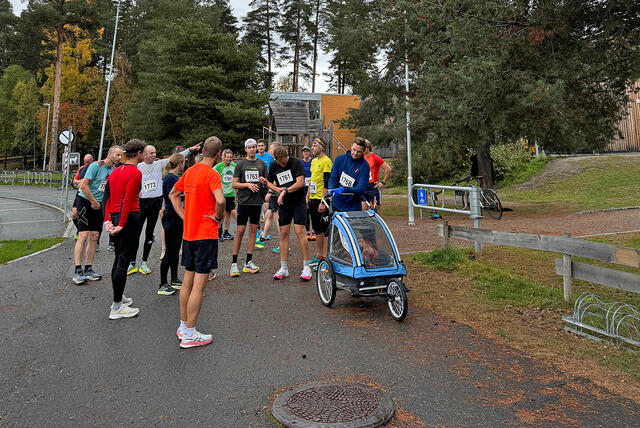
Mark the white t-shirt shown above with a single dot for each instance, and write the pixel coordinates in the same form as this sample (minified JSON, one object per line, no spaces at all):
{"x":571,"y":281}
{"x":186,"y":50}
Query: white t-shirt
{"x":152,"y":177}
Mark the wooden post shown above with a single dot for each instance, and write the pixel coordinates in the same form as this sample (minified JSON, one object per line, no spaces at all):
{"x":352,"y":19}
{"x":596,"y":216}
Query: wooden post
{"x":566,"y":269}
{"x":445,"y":234}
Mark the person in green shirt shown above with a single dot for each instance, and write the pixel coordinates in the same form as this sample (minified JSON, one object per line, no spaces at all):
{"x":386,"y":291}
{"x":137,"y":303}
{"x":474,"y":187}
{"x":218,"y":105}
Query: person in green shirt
{"x":226,"y":169}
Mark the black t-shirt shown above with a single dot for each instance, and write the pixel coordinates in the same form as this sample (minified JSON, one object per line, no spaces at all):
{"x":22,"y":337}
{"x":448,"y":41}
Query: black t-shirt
{"x":286,"y":177}
{"x":167,"y":184}
{"x":249,"y":171}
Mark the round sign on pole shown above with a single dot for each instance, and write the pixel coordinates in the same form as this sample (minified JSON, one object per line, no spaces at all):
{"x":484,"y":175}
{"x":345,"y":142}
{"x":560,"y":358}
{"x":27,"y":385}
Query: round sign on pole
{"x":66,"y":137}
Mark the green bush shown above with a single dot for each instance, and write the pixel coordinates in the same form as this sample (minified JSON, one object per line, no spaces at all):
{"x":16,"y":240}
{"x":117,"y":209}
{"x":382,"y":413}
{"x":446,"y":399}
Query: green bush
{"x":508,"y":157}
{"x":442,"y":259}
{"x":432,"y":163}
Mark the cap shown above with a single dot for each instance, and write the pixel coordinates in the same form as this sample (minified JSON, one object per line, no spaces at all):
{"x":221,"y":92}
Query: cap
{"x":306,"y":148}
{"x":319,"y":141}
{"x":250,"y":142}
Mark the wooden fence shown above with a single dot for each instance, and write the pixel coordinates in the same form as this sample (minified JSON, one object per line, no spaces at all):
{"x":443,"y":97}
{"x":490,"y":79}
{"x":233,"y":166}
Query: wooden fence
{"x":566,"y":246}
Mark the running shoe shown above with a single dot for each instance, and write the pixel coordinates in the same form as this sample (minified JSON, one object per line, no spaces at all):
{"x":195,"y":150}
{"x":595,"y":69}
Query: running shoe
{"x":250,"y":267}
{"x":281,"y":274}
{"x":259,"y":243}
{"x":309,"y":236}
{"x":144,"y":269}
{"x":166,"y":290}
{"x":91,"y":275}
{"x":212,"y":275}
{"x":79,"y":278}
{"x":75,"y":237}
{"x":234,"y":272}
{"x":306,"y":273}
{"x":198,"y":339}
{"x":276,"y":250}
{"x":112,"y":247}
{"x":132,"y":268}
{"x":267,"y":238}
{"x":315,"y":261}
{"x":258,"y":233}
{"x":313,"y":236}
{"x":127,"y":301}
{"x":175,"y":284}
{"x":220,"y":237}
{"x":179,"y":333}
{"x":123,"y":311}
{"x":228,"y":236}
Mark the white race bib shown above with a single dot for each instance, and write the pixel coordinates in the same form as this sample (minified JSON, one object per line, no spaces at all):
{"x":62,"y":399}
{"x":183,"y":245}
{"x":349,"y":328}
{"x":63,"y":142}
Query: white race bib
{"x":346,"y":180}
{"x":284,"y":177}
{"x":102,"y":186}
{"x":313,"y":187}
{"x":252,"y":176}
{"x":307,"y":180}
{"x":227,"y":178}
{"x":149,"y":186}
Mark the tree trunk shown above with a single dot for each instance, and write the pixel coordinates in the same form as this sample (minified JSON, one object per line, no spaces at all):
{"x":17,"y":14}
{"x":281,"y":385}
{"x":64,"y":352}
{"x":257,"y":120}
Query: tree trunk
{"x":53,"y":154}
{"x":269,"y":44}
{"x":315,"y":48}
{"x":5,"y":159}
{"x":296,"y":57}
{"x":485,"y":165}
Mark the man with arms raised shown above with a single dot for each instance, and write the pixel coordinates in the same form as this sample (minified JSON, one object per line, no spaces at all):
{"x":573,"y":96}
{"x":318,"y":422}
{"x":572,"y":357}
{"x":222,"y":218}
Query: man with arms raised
{"x":90,"y":216}
{"x":203,"y":209}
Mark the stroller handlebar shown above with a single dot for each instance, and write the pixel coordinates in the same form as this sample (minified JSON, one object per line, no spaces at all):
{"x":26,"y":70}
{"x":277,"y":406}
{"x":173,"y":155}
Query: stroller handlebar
{"x":329,"y":197}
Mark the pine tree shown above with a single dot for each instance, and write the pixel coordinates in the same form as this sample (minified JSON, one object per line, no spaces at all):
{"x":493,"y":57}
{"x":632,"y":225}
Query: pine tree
{"x":261,"y":24}
{"x":294,"y":31}
{"x":7,"y":33}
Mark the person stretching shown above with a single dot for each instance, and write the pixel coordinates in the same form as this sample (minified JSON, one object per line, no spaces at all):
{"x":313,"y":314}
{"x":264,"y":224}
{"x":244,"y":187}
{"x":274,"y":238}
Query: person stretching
{"x":203,"y":207}
{"x":122,"y":215}
{"x":286,"y":179}
{"x":151,"y":200}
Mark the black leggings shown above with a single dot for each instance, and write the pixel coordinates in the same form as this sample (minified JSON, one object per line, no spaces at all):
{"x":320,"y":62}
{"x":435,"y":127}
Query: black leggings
{"x":172,"y":225}
{"x":149,"y":211}
{"x":126,"y":247}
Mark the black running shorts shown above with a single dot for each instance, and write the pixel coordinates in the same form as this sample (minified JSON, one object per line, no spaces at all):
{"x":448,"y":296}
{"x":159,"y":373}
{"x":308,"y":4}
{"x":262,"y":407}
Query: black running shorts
{"x":230,"y":203}
{"x":297,"y":213}
{"x":250,"y":213}
{"x":89,"y":220}
{"x":319,"y":220}
{"x":199,"y":256}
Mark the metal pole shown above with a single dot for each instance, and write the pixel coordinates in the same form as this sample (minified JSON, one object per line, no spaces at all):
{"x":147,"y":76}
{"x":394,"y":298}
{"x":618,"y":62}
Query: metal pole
{"x":46,"y":138}
{"x":409,"y":172}
{"x":106,"y":101}
{"x":476,"y":214}
{"x":65,"y":175}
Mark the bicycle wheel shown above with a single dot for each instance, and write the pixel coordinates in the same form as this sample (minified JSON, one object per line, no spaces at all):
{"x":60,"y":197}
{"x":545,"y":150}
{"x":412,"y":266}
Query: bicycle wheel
{"x":461,"y":199}
{"x":491,"y":204}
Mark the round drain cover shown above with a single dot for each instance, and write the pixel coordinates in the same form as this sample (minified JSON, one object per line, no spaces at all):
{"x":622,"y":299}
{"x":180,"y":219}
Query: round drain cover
{"x":333,"y":404}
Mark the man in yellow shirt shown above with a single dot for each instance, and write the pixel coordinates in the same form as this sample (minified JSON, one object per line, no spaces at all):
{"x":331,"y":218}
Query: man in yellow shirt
{"x":318,"y":187}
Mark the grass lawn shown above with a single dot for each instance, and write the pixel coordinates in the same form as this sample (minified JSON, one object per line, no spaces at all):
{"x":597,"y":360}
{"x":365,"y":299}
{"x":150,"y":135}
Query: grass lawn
{"x":514,"y":295}
{"x":11,"y":250}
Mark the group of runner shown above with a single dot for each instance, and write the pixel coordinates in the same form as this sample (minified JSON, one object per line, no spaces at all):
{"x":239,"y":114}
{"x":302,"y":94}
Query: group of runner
{"x":198,"y":205}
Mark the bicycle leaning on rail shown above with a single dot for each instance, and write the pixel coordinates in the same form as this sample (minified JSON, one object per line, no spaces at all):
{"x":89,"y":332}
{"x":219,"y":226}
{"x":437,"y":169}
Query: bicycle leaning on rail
{"x":489,"y":200}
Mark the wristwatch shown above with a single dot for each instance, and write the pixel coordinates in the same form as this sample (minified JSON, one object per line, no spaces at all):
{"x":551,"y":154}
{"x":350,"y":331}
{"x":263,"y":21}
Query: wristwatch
{"x":384,"y":183}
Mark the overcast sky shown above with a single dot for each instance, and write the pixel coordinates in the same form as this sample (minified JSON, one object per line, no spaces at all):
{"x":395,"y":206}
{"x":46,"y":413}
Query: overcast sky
{"x":240,"y":9}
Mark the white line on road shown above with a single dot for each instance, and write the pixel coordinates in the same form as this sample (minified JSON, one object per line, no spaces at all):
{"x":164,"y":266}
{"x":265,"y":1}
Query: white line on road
{"x":31,"y":221}
{"x":21,"y":209}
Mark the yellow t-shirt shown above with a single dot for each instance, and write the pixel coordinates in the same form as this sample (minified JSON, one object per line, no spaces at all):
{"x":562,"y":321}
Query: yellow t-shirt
{"x":318,"y":168}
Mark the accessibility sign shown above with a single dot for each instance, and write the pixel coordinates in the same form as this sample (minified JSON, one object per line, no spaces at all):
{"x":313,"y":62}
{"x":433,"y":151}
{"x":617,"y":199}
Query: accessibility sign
{"x":66,"y":137}
{"x":422,"y":196}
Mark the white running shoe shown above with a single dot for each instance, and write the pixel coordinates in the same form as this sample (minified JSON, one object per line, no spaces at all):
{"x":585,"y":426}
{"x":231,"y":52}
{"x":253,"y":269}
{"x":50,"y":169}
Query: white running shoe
{"x":198,"y":339}
{"x":306,"y":273}
{"x":127,"y":301}
{"x":179,"y":333}
{"x":123,"y":311}
{"x":281,"y":274}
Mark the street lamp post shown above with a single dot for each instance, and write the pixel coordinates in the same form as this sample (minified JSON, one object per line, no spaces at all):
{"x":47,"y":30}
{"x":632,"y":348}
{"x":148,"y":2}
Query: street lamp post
{"x":46,"y":138}
{"x":106,"y":101}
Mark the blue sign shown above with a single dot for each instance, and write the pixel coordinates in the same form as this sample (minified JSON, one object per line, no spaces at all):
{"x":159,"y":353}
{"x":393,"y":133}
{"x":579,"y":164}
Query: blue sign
{"x":422,"y":196}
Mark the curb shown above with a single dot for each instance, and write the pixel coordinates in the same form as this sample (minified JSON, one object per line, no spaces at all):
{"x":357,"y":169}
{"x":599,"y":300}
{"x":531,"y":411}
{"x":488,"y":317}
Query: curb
{"x":34,"y":254}
{"x":607,"y":210}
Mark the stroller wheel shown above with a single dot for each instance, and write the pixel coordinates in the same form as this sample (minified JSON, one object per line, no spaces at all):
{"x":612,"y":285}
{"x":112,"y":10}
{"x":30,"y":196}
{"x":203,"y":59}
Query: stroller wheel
{"x":326,"y":282}
{"x":397,"y":300}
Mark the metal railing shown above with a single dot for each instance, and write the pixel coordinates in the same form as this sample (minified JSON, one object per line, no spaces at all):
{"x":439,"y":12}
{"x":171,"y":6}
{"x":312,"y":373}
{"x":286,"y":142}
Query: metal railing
{"x":26,"y":177}
{"x":440,"y":198}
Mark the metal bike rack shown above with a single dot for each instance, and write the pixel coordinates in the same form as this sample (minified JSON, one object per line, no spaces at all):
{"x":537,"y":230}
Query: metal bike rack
{"x":428,"y":194}
{"x":617,"y":322}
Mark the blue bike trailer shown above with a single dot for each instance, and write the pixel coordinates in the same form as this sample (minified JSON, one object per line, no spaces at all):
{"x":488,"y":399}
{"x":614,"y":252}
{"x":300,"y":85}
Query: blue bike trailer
{"x":362,"y":246}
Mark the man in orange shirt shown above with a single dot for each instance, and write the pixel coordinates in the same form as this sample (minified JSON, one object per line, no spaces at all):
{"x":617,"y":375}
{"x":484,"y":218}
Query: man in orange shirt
{"x":203,"y":210}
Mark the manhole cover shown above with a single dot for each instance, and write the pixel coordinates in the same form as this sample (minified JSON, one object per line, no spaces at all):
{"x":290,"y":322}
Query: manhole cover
{"x":334,"y":404}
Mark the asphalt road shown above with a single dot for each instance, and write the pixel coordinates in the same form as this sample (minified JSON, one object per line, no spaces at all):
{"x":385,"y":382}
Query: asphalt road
{"x":65,"y":363}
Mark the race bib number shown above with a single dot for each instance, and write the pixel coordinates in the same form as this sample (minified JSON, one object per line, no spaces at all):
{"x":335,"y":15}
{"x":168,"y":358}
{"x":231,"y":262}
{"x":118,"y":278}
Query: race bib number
{"x":284,"y":177}
{"x":102,"y":186}
{"x":307,"y":181}
{"x":252,"y":176}
{"x":149,"y":186}
{"x":313,"y":187}
{"x":227,"y":178}
{"x":346,"y":180}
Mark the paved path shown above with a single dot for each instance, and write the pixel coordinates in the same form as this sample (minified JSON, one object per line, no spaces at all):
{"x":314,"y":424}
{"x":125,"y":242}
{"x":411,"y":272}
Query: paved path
{"x":65,"y":363}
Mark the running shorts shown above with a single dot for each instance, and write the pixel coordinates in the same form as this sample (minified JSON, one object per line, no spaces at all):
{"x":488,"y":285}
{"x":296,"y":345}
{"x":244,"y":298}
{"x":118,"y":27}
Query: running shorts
{"x":250,"y":213}
{"x":230,"y":203}
{"x":297,"y":213}
{"x":198,"y":256}
{"x":89,"y":220}
{"x":319,"y":220}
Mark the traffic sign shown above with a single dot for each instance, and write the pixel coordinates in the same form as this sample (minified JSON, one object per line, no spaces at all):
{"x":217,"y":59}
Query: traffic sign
{"x":422,"y":196}
{"x":74,"y":158}
{"x":66,"y":137}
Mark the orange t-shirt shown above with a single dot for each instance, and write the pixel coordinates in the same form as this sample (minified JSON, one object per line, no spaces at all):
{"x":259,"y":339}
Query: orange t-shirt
{"x":198,"y":184}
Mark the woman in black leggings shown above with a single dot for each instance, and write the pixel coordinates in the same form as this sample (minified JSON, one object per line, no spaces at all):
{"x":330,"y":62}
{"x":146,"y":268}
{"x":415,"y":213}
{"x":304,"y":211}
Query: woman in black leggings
{"x":172,"y":225}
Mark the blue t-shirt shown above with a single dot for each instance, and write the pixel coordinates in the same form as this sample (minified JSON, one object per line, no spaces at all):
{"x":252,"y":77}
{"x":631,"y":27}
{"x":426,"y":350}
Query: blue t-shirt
{"x":266,"y":158}
{"x":353,"y":175}
{"x":98,"y":180}
{"x":307,"y":167}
